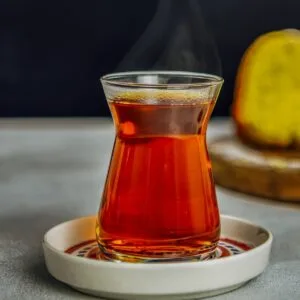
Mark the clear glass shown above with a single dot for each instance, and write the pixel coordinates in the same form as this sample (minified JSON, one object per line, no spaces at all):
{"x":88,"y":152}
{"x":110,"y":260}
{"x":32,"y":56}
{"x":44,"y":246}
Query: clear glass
{"x":159,"y":201}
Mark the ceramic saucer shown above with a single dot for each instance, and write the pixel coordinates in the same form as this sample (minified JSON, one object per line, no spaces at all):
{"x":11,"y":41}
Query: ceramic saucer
{"x":71,"y":255}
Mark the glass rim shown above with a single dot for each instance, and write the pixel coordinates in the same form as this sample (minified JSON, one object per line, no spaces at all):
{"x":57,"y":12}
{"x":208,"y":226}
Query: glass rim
{"x":119,"y":79}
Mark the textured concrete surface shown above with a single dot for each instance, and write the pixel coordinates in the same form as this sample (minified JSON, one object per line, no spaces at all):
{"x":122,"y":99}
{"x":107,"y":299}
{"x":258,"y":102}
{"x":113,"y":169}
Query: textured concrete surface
{"x":52,"y":171}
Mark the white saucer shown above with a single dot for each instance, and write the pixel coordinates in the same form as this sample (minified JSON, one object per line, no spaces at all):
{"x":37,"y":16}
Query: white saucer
{"x":247,"y":245}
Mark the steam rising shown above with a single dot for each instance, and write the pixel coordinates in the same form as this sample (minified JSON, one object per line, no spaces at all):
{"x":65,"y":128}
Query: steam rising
{"x":176,"y":39}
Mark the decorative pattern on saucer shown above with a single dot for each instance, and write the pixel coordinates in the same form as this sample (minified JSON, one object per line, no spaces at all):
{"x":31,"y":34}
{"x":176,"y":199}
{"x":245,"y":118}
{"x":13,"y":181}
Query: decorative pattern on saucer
{"x":226,"y":247}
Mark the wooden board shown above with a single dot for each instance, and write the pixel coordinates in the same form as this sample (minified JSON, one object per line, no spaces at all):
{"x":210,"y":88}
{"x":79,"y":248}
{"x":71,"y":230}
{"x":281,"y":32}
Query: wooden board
{"x":262,"y":173}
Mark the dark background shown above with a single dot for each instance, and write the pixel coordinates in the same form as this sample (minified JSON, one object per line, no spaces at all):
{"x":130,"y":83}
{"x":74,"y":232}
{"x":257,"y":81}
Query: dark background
{"x":52,"y":53}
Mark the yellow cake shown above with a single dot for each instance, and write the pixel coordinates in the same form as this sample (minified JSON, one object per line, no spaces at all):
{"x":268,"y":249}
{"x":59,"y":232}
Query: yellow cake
{"x":266,"y":106}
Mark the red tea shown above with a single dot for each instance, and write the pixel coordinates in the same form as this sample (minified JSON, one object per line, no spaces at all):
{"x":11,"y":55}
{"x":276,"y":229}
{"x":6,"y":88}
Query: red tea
{"x":159,"y":199}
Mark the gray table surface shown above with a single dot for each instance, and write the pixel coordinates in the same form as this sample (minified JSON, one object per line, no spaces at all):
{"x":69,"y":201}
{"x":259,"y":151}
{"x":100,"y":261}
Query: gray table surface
{"x":53,"y":170}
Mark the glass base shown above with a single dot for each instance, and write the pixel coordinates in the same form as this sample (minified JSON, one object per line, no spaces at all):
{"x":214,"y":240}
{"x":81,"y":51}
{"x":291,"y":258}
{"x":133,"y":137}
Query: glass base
{"x":175,"y":256}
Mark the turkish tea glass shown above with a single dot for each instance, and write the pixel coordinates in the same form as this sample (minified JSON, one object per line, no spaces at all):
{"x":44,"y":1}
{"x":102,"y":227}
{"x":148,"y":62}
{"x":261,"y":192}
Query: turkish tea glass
{"x":159,"y":201}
